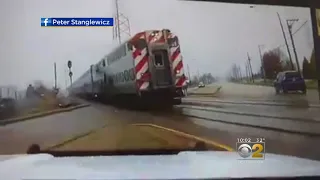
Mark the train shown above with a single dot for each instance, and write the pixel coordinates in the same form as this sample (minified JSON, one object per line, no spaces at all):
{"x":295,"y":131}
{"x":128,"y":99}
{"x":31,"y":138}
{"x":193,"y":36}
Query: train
{"x":146,"y":68}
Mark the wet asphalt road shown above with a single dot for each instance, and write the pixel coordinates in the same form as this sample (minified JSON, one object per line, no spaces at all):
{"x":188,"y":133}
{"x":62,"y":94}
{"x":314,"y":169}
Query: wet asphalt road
{"x":15,"y":138}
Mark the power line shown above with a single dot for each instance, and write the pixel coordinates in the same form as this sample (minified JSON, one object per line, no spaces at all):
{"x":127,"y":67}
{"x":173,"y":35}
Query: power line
{"x":280,"y":46}
{"x":300,"y":27}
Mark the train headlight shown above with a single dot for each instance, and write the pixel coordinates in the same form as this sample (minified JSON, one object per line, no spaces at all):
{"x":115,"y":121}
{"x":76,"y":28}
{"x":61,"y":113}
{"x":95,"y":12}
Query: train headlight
{"x":177,"y":71}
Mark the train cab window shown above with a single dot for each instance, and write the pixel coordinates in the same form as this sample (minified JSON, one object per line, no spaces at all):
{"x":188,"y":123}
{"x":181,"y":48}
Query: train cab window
{"x":158,"y":59}
{"x":173,"y":42}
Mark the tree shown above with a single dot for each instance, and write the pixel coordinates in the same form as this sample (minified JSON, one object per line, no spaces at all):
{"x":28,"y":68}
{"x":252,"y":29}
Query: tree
{"x":272,"y":63}
{"x":306,"y":68}
{"x":207,"y":78}
{"x":286,"y":65}
{"x":194,"y":81}
{"x":312,"y":67}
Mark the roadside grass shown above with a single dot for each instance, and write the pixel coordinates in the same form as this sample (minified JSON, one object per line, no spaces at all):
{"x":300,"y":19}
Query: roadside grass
{"x":311,"y":84}
{"x":126,"y":137}
{"x":208,"y":90}
{"x":47,"y":104}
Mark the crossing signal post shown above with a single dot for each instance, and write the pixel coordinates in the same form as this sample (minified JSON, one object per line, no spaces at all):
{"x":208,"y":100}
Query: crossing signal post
{"x":70,"y":72}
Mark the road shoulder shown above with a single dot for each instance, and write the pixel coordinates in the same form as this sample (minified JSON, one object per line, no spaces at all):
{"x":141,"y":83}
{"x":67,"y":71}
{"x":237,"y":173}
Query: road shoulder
{"x":40,"y":114}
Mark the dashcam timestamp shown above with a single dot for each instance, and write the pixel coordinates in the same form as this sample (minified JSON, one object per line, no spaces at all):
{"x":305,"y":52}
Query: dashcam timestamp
{"x":251,"y":148}
{"x":244,"y":140}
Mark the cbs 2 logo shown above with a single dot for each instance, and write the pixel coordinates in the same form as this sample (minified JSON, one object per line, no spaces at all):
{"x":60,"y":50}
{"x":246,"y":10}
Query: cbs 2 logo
{"x":245,"y":150}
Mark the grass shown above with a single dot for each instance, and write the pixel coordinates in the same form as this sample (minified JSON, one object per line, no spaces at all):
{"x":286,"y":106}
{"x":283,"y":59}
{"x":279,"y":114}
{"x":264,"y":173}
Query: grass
{"x":128,"y":137}
{"x":47,"y":104}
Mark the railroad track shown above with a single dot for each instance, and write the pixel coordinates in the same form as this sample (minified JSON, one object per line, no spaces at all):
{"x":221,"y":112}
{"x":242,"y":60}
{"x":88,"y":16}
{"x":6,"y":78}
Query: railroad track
{"x":292,"y":125}
{"x":296,"y":103}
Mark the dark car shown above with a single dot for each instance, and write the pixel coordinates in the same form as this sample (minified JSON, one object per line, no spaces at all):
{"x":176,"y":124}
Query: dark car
{"x":289,"y":81}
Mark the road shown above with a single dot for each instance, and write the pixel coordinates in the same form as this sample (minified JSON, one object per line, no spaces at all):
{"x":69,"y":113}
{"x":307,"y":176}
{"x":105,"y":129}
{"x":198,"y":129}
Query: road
{"x":15,"y":138}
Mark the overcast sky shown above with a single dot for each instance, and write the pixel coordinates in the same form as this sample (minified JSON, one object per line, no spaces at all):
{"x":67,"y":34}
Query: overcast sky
{"x":213,"y":36}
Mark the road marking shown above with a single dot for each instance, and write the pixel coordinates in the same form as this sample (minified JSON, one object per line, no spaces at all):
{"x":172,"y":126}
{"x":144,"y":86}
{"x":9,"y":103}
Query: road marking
{"x":76,"y":137}
{"x":213,"y":143}
{"x":73,"y":138}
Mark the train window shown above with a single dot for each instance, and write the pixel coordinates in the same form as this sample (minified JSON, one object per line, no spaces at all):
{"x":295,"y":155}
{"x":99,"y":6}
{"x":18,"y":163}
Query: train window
{"x":124,"y":50}
{"x":140,"y":44}
{"x":173,"y":42}
{"x":129,"y":46}
{"x":97,"y":69}
{"x":103,"y":62}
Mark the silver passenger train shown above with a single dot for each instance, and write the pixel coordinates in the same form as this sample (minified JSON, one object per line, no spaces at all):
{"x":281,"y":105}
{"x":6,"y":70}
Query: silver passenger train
{"x":148,"y":67}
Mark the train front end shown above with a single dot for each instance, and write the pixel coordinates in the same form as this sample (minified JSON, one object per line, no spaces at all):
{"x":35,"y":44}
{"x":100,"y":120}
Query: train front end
{"x":156,"y":66}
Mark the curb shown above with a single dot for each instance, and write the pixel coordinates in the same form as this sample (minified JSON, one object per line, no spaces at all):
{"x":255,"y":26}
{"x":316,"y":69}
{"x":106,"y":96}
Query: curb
{"x":189,"y":136}
{"x":256,"y":115}
{"x":207,"y":94}
{"x":41,"y":114}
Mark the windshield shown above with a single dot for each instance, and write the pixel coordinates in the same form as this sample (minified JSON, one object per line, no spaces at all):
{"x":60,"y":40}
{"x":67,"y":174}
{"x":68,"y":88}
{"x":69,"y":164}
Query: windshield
{"x":293,"y":75}
{"x":83,"y":76}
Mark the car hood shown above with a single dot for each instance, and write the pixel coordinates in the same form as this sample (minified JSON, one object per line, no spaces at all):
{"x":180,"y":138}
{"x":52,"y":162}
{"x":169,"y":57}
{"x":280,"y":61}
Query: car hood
{"x":184,"y":165}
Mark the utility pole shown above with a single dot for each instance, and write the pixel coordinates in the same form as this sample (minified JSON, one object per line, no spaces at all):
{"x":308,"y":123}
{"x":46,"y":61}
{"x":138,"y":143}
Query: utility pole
{"x":240,"y":74}
{"x":122,"y":24}
{"x":92,"y":83}
{"x":290,"y":23}
{"x":316,"y":40}
{"x":250,"y":67}
{"x":189,"y":73}
{"x":55,"y":76}
{"x":262,"y":65}
{"x":66,"y":75}
{"x":285,"y":40}
{"x":247,"y":72}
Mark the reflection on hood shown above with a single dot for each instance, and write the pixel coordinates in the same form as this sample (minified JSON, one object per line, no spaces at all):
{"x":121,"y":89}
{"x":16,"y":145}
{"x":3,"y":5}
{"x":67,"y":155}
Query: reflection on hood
{"x":197,"y":165}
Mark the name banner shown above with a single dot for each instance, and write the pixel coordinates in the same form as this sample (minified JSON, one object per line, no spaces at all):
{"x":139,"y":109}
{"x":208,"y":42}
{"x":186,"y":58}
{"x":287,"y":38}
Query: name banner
{"x":77,"y":22}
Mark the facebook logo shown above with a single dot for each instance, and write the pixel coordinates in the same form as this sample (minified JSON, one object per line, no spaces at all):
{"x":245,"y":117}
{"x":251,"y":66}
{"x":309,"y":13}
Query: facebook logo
{"x":46,"y":22}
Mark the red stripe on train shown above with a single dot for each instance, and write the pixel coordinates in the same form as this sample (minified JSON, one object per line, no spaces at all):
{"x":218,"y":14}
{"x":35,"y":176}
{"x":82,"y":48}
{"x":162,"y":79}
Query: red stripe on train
{"x":175,"y":54}
{"x":181,"y":81}
{"x":179,"y":66}
{"x":136,"y":53}
{"x":140,"y":65}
